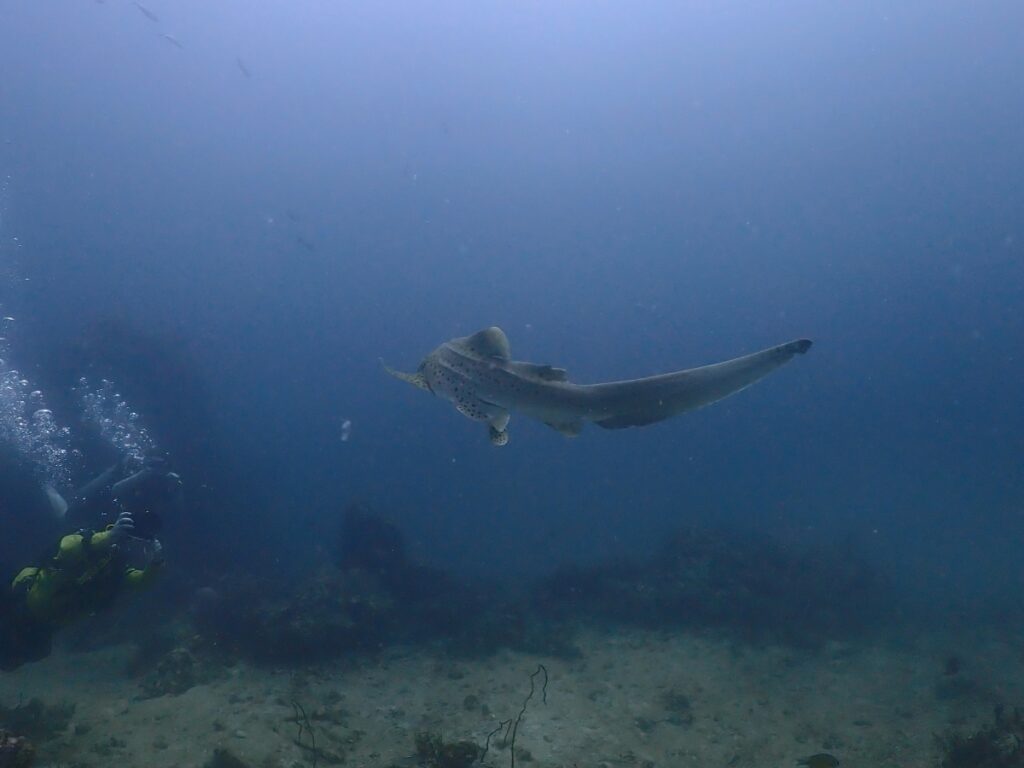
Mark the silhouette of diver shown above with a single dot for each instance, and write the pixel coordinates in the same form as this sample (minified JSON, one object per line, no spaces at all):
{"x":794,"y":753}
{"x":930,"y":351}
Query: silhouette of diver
{"x":90,"y":567}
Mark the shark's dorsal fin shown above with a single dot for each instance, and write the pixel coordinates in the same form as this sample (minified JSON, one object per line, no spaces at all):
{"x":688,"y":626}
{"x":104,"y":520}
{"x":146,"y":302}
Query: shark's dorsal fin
{"x":542,"y":372}
{"x":490,"y":342}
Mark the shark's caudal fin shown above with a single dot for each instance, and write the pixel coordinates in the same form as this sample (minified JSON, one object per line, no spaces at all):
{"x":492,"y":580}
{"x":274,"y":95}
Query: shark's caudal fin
{"x":646,"y":401}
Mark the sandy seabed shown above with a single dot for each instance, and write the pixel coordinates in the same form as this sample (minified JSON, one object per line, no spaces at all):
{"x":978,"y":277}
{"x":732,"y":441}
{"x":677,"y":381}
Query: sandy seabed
{"x":642,"y":699}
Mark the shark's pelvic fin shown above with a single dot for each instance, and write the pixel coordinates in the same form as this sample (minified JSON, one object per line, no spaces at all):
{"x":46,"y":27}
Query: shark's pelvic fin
{"x":498,"y":436}
{"x":567,"y":428}
{"x":630,"y":420}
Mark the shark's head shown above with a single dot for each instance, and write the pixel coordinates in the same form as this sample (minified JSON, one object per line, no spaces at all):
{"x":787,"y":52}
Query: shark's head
{"x":462,"y":372}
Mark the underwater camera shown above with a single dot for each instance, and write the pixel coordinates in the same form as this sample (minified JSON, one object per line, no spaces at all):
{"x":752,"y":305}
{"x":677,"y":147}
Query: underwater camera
{"x":147,"y":524}
{"x":149,"y":495}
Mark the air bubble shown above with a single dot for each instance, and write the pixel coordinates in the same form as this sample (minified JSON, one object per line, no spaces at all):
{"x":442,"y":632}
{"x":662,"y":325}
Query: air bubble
{"x":31,"y":429}
{"x":105,"y":407}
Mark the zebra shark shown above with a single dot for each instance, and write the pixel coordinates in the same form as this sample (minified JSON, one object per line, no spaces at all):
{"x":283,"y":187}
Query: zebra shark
{"x":479,"y":377}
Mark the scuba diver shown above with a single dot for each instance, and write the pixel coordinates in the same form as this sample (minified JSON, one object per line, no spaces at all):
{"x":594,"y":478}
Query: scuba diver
{"x":90,"y":567}
{"x":150,"y":493}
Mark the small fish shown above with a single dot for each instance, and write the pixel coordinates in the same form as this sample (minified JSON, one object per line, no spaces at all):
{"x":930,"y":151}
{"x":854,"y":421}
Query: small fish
{"x":146,"y":12}
{"x":305,"y":243}
{"x":242,"y":67}
{"x":172,"y":40}
{"x":820,"y":760}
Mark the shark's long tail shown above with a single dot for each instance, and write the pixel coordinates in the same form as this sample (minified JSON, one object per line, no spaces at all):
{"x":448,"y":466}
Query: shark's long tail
{"x":635,"y":403}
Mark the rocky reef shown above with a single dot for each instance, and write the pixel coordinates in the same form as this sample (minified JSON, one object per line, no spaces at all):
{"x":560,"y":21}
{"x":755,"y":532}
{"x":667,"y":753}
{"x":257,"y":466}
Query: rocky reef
{"x":36,"y":720}
{"x":15,"y":751}
{"x":375,"y":594}
{"x":743,"y":583}
{"x":329,"y":614}
{"x":433,"y":751}
{"x":26,"y":725}
{"x":1000,"y":745}
{"x":179,"y":670}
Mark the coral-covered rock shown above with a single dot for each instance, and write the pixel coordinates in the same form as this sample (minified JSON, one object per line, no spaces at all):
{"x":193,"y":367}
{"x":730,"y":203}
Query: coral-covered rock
{"x":330,"y":614}
{"x":998,"y":746}
{"x":746,"y":583}
{"x":36,"y":720}
{"x":177,"y":671}
{"x":15,"y":751}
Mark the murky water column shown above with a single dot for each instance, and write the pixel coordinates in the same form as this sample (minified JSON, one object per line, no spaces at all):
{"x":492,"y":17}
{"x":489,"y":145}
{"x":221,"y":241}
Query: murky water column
{"x":26,"y":423}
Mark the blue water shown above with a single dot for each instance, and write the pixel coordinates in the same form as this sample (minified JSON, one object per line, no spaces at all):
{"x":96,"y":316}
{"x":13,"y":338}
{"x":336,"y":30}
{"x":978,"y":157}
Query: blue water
{"x":625,"y":189}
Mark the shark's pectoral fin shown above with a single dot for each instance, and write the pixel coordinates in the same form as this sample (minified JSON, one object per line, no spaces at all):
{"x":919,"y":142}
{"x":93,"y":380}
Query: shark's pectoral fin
{"x":497,"y":428}
{"x":498,"y":436}
{"x":567,"y":428}
{"x":416,"y":379}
